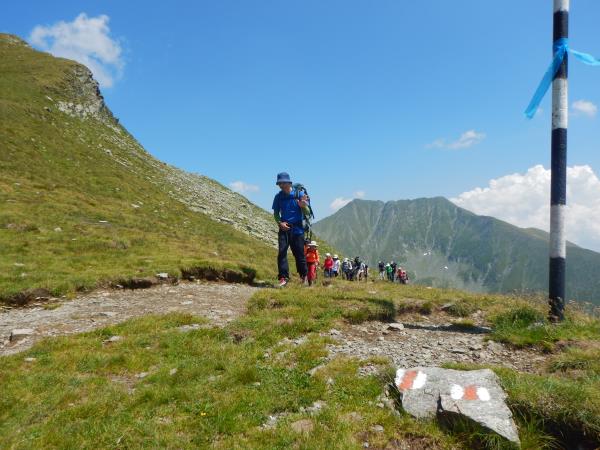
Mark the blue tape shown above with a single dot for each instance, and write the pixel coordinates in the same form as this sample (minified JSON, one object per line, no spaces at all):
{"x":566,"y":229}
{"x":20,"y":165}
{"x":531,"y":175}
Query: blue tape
{"x":561,"y":47}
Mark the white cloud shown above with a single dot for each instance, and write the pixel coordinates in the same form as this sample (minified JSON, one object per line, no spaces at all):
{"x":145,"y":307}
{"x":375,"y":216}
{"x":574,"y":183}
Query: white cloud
{"x":86,"y":40}
{"x":340,"y":202}
{"x":468,"y":139}
{"x":524,"y":200}
{"x":243,"y":188}
{"x":584,"y":107}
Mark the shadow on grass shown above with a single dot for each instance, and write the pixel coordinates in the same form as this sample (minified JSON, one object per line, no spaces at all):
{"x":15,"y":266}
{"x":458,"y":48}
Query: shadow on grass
{"x":454,"y":328}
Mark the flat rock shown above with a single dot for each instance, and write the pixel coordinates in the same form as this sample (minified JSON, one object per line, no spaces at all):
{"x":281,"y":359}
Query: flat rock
{"x":20,"y":333}
{"x":304,"y":426}
{"x":475,"y":394}
{"x":396,"y":326}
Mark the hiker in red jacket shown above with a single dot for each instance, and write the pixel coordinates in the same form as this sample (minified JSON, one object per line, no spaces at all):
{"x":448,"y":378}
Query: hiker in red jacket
{"x":328,"y":265}
{"x":312,"y":261}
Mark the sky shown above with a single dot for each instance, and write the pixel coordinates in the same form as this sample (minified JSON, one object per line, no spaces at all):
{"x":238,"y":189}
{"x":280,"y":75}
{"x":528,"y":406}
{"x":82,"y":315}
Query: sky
{"x":381,"y":100}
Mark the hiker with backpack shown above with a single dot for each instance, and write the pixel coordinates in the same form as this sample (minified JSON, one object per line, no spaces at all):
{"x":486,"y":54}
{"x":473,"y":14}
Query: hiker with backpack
{"x":346,"y":266}
{"x":389,"y":271}
{"x":290,"y":207}
{"x":402,"y":276}
{"x":394,"y":266}
{"x":381,"y":266}
{"x":336,"y":266}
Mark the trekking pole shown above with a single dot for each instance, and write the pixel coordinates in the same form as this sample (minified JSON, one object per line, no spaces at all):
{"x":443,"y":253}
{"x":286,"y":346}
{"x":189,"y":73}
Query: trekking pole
{"x":558,"y":189}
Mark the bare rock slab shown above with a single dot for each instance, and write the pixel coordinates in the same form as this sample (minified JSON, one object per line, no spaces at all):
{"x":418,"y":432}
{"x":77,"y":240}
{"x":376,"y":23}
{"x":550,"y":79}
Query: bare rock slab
{"x":20,"y":333}
{"x":476,"y":394}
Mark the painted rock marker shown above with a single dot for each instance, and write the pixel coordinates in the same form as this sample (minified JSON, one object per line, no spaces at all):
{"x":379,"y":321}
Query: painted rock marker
{"x":476,"y":394}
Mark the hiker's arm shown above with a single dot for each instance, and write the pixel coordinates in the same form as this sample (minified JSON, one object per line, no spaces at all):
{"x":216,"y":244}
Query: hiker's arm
{"x":303,"y":204}
{"x":282,"y":225}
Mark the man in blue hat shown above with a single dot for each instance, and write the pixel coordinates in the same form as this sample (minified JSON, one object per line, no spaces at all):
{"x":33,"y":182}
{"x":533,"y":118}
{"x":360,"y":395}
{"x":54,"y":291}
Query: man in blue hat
{"x":288,"y":207}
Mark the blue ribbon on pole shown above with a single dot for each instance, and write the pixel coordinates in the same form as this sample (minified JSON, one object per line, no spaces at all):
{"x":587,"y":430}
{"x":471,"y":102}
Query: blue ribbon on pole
{"x":561,"y":48}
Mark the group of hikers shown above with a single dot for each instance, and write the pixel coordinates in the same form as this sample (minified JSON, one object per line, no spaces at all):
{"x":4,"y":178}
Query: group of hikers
{"x":392,"y":272}
{"x":292,"y":212}
{"x":332,"y":265}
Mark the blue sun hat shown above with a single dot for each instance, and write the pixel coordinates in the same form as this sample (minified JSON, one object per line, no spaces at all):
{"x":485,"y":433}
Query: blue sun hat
{"x":283,"y":177}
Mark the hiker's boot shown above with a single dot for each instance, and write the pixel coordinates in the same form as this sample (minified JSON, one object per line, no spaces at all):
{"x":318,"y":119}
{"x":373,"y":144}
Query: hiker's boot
{"x":282,"y":282}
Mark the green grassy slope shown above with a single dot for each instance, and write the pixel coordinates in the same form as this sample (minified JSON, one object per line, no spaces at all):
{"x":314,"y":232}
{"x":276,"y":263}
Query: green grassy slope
{"x":81,"y":202}
{"x":446,"y":246}
{"x":81,"y":392}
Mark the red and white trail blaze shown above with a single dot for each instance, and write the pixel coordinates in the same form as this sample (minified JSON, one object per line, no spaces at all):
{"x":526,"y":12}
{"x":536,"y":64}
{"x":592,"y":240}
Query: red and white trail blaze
{"x":470,"y":392}
{"x":410,"y":379}
{"x":415,"y":379}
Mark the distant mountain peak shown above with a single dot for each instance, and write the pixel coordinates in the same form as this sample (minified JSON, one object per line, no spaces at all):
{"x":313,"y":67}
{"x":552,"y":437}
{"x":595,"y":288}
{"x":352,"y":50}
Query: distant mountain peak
{"x":447,"y":246}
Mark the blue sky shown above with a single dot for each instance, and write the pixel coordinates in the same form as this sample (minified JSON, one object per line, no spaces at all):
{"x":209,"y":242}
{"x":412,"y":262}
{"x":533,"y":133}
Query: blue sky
{"x":348,"y":96}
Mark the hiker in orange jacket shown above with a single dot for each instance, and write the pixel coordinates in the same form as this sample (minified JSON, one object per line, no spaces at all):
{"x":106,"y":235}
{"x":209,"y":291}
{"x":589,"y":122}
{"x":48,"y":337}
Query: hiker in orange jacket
{"x":312,"y":261}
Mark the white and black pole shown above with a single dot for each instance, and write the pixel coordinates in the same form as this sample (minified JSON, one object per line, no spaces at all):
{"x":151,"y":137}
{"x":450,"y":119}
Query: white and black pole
{"x":558,"y":188}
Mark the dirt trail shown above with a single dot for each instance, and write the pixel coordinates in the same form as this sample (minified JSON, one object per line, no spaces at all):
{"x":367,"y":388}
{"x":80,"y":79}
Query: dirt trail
{"x":218,"y":302}
{"x":429,"y":341}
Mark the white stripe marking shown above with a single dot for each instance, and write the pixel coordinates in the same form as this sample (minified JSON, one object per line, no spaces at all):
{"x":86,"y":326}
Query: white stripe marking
{"x":399,"y":375}
{"x":420,"y":380}
{"x":558,"y":243}
{"x":483,"y":394}
{"x":561,"y":5}
{"x":560,"y":104}
{"x":456,"y":392}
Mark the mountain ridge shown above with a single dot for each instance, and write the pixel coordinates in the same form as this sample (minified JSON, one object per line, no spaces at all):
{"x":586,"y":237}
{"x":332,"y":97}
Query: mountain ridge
{"x":448,"y":246}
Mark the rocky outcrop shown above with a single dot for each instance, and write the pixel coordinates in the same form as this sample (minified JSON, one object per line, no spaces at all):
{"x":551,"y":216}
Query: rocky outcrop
{"x":201,"y":194}
{"x":474,"y":394}
{"x":84,"y":97}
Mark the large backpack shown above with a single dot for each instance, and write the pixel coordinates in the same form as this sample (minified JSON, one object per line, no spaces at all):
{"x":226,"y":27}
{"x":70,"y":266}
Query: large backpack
{"x":306,"y":217}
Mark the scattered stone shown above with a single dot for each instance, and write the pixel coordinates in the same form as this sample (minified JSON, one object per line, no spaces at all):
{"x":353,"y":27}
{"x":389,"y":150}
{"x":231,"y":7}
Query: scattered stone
{"x":377,"y":429}
{"x":447,"y":306}
{"x":316,"y":407}
{"x":142,"y":375}
{"x":315,"y":369}
{"x":30,"y":359}
{"x":173,"y":371}
{"x":187,"y":302}
{"x":107,"y":313}
{"x":113,"y":339}
{"x":162,"y":276}
{"x":334,"y":332}
{"x":186,"y":328}
{"x":458,"y":350}
{"x":303,"y":426}
{"x":475,"y":394}
{"x":270,"y":423}
{"x":58,"y":229}
{"x":20,"y":333}
{"x":396,"y":326}
{"x":352,"y":417}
